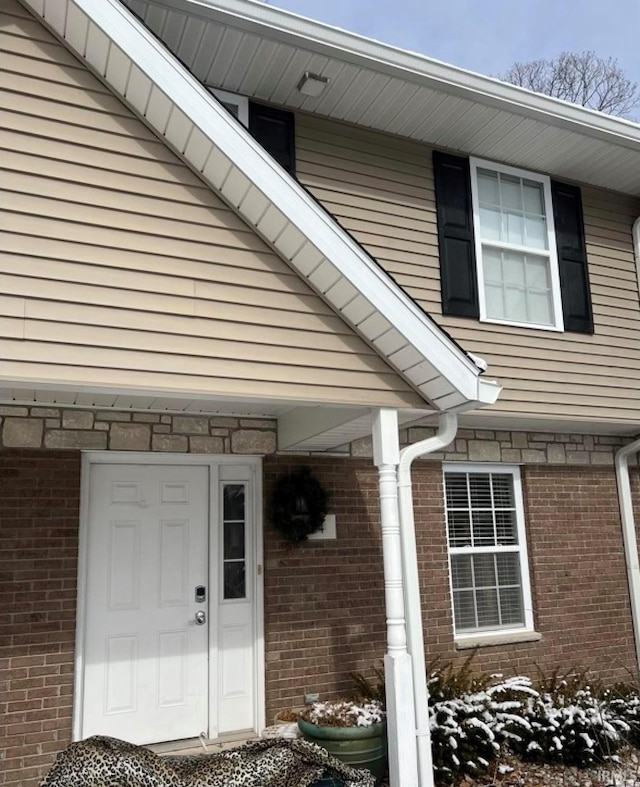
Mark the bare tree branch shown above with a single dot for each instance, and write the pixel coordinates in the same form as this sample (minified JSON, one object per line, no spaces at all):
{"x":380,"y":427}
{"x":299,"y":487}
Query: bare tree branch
{"x":581,"y":78}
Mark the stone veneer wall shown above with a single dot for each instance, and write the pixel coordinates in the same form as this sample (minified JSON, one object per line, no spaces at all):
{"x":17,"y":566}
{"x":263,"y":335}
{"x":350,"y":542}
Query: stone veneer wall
{"x":529,"y":448}
{"x":58,"y":428}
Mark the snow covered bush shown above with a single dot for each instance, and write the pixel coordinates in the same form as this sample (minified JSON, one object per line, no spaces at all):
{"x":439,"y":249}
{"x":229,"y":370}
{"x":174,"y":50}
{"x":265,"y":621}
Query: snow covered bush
{"x":471,"y":717}
{"x":575,"y":721}
{"x":564,"y":719}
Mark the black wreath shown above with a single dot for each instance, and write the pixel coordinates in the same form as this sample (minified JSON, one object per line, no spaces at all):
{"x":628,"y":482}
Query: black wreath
{"x":298,"y":505}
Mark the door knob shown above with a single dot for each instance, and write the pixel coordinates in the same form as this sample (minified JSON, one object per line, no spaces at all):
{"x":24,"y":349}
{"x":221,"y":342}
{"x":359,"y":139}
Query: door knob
{"x":201,"y":618}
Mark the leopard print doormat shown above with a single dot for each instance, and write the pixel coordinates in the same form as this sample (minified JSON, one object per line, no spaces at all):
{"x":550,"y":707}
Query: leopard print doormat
{"x":108,"y":762}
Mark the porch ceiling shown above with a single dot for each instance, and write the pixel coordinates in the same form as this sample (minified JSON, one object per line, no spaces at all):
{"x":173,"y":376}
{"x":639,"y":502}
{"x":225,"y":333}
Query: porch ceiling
{"x":259,"y":51}
{"x":150,"y":80}
{"x":300,"y":427}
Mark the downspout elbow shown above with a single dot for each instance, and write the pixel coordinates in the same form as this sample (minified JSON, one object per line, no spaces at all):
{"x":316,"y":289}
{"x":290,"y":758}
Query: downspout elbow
{"x":448,"y":426}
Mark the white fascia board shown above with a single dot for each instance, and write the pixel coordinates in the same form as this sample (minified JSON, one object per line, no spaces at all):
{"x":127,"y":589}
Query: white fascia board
{"x":410,"y":66}
{"x":235,"y":142}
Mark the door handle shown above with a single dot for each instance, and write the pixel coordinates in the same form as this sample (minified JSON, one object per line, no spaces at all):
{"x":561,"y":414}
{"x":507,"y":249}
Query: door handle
{"x":200,"y":618}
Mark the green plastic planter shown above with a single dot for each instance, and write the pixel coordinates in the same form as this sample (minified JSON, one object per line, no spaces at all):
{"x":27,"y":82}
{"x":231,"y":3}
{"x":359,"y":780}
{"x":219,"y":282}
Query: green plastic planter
{"x":359,"y":747}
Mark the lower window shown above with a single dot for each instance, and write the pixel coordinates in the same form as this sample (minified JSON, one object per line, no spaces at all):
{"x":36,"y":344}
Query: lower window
{"x":487,"y":549}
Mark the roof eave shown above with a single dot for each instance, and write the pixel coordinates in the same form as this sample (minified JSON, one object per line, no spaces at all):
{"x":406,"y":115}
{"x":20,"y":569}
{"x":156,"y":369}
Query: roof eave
{"x":403,"y":63}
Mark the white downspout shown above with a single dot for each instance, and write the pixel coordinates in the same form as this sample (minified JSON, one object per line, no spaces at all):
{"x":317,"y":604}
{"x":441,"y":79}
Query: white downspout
{"x":448,"y":427}
{"x":629,"y":536}
{"x":626,"y":503}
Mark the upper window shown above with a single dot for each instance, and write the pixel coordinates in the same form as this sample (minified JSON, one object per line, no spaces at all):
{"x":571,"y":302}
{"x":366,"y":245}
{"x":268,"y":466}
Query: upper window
{"x":273,"y":128}
{"x":234,"y":103}
{"x":487,"y":549}
{"x":518,"y":280}
{"x":512,"y":246}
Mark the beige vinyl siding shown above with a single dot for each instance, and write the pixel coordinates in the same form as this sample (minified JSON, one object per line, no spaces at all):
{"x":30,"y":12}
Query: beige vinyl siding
{"x":120,"y":267}
{"x":381,"y":189}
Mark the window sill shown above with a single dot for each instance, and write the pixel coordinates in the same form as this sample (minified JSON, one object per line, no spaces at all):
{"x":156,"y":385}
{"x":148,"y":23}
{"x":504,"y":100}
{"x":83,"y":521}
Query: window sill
{"x":487,"y":640}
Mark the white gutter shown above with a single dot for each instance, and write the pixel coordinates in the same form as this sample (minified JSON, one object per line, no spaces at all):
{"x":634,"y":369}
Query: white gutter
{"x":448,"y":427}
{"x":629,"y":535}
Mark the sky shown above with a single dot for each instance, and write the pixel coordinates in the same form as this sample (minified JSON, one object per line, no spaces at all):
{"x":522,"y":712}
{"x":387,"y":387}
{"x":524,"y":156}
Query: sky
{"x":488,"y":36}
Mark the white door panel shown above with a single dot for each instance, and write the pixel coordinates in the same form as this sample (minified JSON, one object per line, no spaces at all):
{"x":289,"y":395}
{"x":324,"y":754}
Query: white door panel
{"x":146,"y":661}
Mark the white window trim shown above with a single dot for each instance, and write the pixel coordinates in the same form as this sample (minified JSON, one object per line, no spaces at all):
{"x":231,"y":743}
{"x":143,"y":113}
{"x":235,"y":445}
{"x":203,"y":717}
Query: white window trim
{"x":552,"y":253}
{"x":242,"y":102}
{"x":527,"y":600}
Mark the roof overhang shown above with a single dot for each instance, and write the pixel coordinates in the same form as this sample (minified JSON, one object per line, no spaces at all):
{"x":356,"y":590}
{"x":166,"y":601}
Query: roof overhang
{"x":261,"y":51}
{"x":149,"y":79}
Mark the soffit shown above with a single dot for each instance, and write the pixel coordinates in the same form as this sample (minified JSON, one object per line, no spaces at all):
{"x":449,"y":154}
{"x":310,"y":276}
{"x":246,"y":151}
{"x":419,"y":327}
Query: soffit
{"x":325,"y":428}
{"x":196,"y":126}
{"x":259,"y":51}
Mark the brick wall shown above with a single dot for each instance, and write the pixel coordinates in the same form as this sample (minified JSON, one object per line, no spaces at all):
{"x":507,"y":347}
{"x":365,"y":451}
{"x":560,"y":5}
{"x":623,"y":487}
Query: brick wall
{"x":39,"y":500}
{"x":325,"y":601}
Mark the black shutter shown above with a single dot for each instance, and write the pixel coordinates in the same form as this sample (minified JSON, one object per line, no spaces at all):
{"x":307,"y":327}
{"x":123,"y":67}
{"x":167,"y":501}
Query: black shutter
{"x":458,"y":279}
{"x":274,"y":130}
{"x":572,"y":258}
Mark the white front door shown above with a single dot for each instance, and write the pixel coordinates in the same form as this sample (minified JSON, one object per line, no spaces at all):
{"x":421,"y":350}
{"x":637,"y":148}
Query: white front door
{"x":146,"y":657}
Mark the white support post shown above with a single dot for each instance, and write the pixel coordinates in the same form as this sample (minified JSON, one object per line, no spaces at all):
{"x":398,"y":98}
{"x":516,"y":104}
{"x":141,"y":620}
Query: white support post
{"x":403,"y":768}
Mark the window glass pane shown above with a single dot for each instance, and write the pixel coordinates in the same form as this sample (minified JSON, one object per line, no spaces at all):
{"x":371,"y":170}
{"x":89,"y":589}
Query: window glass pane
{"x":483,"y":531}
{"x":480,"y":490}
{"x":511,"y":192}
{"x":456,"y":490}
{"x":488,"y":187}
{"x":494,"y":301}
{"x":234,"y":580}
{"x":233,"y":540}
{"x":511,"y":607}
{"x":514,"y":269}
{"x":487,"y":606}
{"x":512,"y":211}
{"x":506,"y":529}
{"x":502,"y":484}
{"x":533,"y":197}
{"x":514,"y":228}
{"x":492,"y":264}
{"x":537,"y":272}
{"x":464,"y":610}
{"x":490,"y":223}
{"x":461,"y":576}
{"x":484,"y":571}
{"x":535,"y":232}
{"x":459,"y":528}
{"x":540,"y":308}
{"x":508,"y":566}
{"x":515,"y":304}
{"x":233,"y":502}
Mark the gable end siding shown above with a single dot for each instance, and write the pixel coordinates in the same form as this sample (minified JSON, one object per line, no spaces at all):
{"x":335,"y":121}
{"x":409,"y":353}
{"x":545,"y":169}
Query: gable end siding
{"x":121,"y":267}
